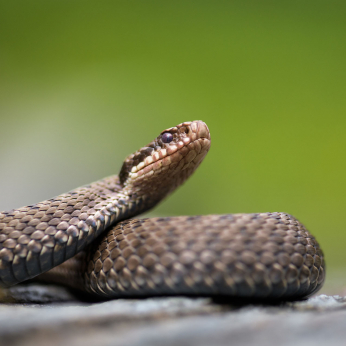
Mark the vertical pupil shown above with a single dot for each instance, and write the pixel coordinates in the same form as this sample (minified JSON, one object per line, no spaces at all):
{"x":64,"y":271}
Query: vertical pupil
{"x":167,"y":137}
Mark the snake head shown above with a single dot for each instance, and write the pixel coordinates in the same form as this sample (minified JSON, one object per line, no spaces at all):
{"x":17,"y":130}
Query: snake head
{"x":158,"y":168}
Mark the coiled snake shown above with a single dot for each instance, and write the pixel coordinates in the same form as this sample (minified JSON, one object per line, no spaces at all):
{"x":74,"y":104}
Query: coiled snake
{"x":267,"y":255}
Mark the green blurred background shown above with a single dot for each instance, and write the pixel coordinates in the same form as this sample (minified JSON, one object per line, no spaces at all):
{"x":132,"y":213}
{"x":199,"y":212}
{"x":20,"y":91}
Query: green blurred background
{"x":85,"y":83}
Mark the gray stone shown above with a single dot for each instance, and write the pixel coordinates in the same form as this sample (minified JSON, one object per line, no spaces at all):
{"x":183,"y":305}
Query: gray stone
{"x":35,"y":293}
{"x":166,"y":321}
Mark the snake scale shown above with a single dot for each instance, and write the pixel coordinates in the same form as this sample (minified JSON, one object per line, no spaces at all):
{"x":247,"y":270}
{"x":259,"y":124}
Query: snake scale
{"x":264,"y":255}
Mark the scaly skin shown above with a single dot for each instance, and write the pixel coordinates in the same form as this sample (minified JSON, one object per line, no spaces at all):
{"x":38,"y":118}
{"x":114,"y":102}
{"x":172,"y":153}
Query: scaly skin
{"x":267,"y":255}
{"x":36,"y":238}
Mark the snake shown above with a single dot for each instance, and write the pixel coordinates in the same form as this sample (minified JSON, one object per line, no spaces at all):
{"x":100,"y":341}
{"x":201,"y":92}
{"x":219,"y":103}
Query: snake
{"x":89,"y":239}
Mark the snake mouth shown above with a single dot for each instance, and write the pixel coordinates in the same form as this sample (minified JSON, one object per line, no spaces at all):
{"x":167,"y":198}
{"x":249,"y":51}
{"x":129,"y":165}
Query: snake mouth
{"x":175,"y":149}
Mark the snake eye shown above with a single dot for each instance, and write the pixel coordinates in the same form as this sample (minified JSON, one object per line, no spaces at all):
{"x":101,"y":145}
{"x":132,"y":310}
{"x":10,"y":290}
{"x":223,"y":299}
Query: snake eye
{"x":167,"y":137}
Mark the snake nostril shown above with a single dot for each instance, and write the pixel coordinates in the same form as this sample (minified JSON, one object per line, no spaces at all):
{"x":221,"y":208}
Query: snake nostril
{"x":203,"y":131}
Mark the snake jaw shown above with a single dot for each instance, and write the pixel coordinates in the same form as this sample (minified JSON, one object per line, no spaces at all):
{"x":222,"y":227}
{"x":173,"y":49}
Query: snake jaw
{"x":158,"y":168}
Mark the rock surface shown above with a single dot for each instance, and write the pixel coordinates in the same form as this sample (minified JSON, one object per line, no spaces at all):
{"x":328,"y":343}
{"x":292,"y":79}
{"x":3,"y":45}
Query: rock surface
{"x":40,"y":315}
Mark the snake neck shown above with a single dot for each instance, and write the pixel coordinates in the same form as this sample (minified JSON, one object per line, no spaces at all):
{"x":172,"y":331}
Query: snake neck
{"x":38,"y":237}
{"x":35,"y":238}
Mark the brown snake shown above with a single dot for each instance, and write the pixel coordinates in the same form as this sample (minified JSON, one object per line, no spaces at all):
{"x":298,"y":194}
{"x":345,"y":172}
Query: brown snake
{"x":267,"y":255}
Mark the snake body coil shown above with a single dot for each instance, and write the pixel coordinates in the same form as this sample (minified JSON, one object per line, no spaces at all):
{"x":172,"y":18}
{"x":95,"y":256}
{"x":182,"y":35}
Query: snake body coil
{"x":241,"y":255}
